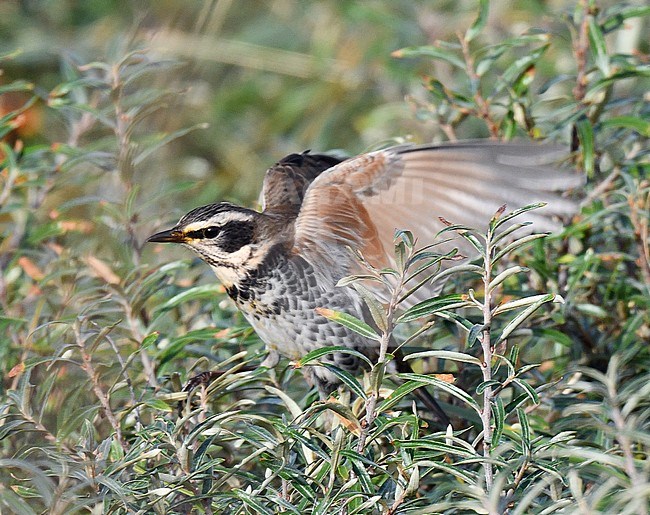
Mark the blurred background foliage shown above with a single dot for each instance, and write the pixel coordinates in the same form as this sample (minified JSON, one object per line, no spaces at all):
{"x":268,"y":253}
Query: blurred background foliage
{"x":118,"y":117}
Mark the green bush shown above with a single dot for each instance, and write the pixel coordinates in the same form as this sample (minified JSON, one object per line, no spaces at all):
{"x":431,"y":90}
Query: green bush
{"x":547,"y":370}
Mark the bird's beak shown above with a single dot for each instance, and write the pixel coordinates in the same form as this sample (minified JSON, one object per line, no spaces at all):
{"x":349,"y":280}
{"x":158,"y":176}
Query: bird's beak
{"x":169,"y":236}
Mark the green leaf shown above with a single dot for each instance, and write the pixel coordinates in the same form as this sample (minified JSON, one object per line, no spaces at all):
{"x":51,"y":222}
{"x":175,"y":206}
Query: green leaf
{"x":453,"y":446}
{"x":528,"y":390}
{"x":433,"y":306}
{"x":347,"y":379}
{"x":406,"y":236}
{"x":499,"y":221}
{"x":586,"y":136}
{"x":592,"y":310}
{"x":445,"y":354}
{"x":398,"y":394}
{"x":446,"y":387}
{"x":159,"y":405}
{"x":149,"y":340}
{"x":598,"y":46}
{"x":508,"y":231}
{"x":315,"y":355}
{"x":475,"y":269}
{"x":253,"y":502}
{"x":554,"y":335}
{"x":205,"y":291}
{"x":499,"y":414}
{"x":520,"y":303}
{"x":485,"y":384}
{"x":432,"y":51}
{"x":473,"y":335}
{"x":479,"y":22}
{"x":163,"y":140}
{"x":292,"y":405}
{"x":623,"y":12}
{"x":349,"y":321}
{"x":459,"y":320}
{"x":377,"y":311}
{"x":525,"y":430}
{"x":519,"y":242}
{"x":629,"y":122}
{"x":505,"y":274}
{"x":517,"y":321}
{"x":526,"y":368}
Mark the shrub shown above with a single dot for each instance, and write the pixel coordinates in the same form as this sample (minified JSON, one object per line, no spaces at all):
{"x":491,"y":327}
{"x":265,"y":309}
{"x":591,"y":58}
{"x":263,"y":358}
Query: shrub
{"x":98,"y":341}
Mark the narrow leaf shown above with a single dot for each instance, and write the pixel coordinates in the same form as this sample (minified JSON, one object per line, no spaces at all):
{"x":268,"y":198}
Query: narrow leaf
{"x":479,"y":23}
{"x":475,"y":269}
{"x":499,"y":414}
{"x":347,"y":379}
{"x":377,"y":311}
{"x":507,"y":232}
{"x":445,"y":354}
{"x":629,"y":122}
{"x":205,"y":291}
{"x":472,"y":336}
{"x":528,"y":390}
{"x":517,"y":321}
{"x":516,"y":244}
{"x":504,"y":275}
{"x":350,"y":322}
{"x":432,"y":51}
{"x":398,"y":394}
{"x":509,"y":216}
{"x":446,"y":387}
{"x":520,"y":303}
{"x":315,"y":355}
{"x":586,"y":136}
{"x":525,"y":430}
{"x":598,"y":46}
{"x":432,"y":306}
{"x":485,"y":384}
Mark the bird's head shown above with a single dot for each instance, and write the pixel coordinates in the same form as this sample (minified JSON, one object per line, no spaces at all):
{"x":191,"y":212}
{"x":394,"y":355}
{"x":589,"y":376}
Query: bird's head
{"x":227,"y":237}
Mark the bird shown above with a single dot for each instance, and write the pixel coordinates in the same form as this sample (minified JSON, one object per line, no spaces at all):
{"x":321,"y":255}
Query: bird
{"x":282,"y":265}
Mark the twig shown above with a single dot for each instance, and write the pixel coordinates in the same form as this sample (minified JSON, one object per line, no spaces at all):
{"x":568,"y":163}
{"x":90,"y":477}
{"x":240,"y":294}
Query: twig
{"x":486,"y":365}
{"x":515,"y":484}
{"x":386,"y":336}
{"x":641,"y":239}
{"x":637,"y":480}
{"x":483,"y":106}
{"x":88,"y":367}
{"x":580,"y":50}
{"x":147,"y":365}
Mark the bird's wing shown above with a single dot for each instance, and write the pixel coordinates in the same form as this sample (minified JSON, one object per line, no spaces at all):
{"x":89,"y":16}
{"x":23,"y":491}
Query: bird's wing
{"x":360,"y":202}
{"x":286,"y":182}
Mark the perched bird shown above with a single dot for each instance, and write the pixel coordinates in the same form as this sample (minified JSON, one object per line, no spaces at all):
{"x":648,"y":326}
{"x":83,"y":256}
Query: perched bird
{"x":280,"y":264}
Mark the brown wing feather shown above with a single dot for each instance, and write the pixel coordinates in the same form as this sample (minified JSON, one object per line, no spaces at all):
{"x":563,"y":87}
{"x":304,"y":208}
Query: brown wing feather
{"x":362,"y":201}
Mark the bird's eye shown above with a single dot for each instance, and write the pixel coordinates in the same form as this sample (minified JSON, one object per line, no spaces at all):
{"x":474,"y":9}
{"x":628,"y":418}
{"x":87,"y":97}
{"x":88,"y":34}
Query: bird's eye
{"x":211,"y":232}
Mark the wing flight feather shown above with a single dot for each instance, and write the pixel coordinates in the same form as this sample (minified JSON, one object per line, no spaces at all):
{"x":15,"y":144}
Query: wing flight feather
{"x":360,"y":202}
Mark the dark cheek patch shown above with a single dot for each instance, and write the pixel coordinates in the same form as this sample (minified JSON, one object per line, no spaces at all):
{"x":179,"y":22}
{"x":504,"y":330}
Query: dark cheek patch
{"x":234,"y":235}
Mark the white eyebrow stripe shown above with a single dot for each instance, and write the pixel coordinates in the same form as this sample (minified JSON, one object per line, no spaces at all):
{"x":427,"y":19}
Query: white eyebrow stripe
{"x":219,"y":220}
{"x":197,"y":226}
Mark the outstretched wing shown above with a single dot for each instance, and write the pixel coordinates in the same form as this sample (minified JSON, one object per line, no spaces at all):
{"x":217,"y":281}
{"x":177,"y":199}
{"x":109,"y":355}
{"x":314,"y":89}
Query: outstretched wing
{"x":286,"y":182}
{"x":362,"y":201}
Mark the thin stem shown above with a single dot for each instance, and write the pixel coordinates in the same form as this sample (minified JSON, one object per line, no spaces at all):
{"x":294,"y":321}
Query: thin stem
{"x":580,"y":50}
{"x":386,"y":336}
{"x":637,"y":480}
{"x":371,"y":403}
{"x":482,"y":105}
{"x":88,"y":367}
{"x":641,"y":238}
{"x":486,"y":366}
